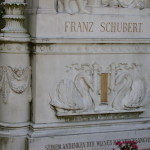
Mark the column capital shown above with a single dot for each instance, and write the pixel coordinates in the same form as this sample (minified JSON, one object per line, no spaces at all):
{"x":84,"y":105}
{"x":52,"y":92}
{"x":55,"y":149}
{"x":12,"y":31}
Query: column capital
{"x":14,"y":18}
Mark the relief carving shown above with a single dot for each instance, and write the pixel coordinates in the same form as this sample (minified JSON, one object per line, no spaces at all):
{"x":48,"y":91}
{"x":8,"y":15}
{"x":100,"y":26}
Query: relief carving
{"x":124,"y":3}
{"x":16,"y":79}
{"x":65,"y":6}
{"x":130,"y":88}
{"x":125,"y":89}
{"x":79,"y":6}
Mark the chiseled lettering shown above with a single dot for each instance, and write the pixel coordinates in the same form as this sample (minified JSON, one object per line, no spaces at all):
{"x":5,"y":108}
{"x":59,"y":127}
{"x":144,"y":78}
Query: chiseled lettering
{"x":102,"y":27}
{"x":104,"y":143}
{"x":119,"y":27}
{"x":73,"y":26}
{"x":125,"y":27}
{"x":108,"y":27}
{"x":74,"y":145}
{"x":130,"y":25}
{"x":91,"y":27}
{"x":90,"y":144}
{"x":135,"y":29}
{"x":79,"y":27}
{"x":85,"y":26}
{"x":113,"y":27}
{"x":53,"y":147}
{"x":140,"y":27}
{"x":66,"y":25}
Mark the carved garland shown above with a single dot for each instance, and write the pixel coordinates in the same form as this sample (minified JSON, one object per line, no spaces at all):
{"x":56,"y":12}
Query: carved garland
{"x":16,"y":79}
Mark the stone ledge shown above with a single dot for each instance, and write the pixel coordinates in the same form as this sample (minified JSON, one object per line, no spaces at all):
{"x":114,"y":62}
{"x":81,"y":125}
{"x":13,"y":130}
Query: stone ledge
{"x":89,"y":40}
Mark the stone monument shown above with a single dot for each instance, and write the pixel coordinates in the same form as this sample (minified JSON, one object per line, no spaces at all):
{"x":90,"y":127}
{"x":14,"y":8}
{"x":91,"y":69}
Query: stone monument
{"x":74,"y":74}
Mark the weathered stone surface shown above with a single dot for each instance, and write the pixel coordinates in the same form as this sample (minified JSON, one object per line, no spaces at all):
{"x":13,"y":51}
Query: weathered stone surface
{"x":90,"y":84}
{"x":95,"y":141}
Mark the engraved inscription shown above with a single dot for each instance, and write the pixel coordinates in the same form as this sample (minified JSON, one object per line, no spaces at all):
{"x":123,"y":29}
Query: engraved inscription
{"x":121,"y":27}
{"x":94,"y":144}
{"x":72,"y":26}
{"x":115,"y":27}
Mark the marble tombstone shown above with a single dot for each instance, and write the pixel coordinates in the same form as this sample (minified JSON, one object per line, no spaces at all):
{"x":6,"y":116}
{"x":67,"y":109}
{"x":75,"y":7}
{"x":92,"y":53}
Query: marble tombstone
{"x":74,"y":74}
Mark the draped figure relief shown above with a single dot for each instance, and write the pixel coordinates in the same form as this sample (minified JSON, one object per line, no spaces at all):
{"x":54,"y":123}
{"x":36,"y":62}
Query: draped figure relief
{"x":124,"y":3}
{"x":65,"y":6}
{"x":79,"y":6}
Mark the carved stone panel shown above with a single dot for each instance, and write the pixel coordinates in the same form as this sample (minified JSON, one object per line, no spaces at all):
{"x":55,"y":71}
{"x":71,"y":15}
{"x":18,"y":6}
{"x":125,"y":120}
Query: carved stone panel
{"x":96,"y":89}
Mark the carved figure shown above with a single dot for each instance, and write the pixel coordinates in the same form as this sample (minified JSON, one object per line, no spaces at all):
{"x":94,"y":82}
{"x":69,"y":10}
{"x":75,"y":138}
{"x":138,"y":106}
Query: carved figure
{"x":111,"y":3}
{"x":124,"y":3}
{"x":131,"y":3}
{"x":67,"y":9}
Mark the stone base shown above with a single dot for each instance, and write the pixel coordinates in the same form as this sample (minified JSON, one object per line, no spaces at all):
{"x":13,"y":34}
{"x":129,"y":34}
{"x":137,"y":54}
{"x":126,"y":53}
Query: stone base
{"x":94,"y":135}
{"x":13,"y":143}
{"x":91,"y":136}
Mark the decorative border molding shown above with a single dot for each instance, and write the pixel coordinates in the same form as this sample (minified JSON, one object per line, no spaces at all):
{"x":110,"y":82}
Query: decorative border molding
{"x":38,"y":130}
{"x":14,"y":48}
{"x":91,"y":49}
{"x":43,"y":40}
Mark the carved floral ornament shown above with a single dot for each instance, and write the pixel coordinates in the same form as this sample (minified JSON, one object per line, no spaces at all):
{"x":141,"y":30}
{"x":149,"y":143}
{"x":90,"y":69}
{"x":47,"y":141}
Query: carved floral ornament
{"x":94,"y":89}
{"x":15,"y":79}
{"x":72,"y":6}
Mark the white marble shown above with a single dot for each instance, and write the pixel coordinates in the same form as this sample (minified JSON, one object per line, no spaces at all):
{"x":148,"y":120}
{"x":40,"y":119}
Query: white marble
{"x":93,"y":26}
{"x":68,"y":67}
{"x":95,"y":141}
{"x":82,"y":81}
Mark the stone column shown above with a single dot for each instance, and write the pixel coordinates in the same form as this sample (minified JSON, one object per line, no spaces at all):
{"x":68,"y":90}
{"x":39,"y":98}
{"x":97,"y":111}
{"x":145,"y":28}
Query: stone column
{"x":15,"y":70}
